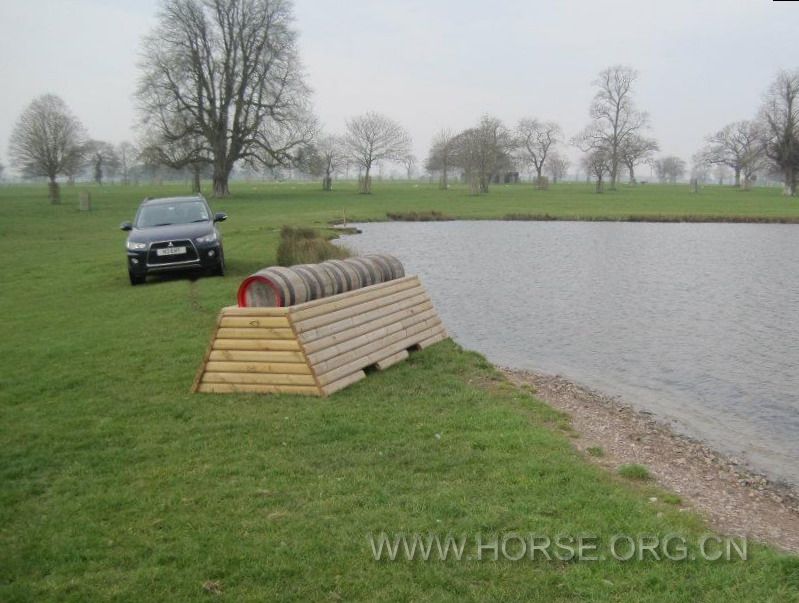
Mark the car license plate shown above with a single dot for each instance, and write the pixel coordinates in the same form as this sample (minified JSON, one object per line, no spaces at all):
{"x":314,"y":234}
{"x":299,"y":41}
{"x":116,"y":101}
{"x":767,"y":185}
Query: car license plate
{"x":170,"y":251}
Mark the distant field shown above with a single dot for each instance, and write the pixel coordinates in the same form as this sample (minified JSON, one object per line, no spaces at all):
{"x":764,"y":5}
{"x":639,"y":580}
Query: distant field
{"x":118,"y":484}
{"x":305,"y":201}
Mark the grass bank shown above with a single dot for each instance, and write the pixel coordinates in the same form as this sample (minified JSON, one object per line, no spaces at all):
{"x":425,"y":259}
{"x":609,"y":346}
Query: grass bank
{"x":306,"y":246}
{"x":118,"y":484}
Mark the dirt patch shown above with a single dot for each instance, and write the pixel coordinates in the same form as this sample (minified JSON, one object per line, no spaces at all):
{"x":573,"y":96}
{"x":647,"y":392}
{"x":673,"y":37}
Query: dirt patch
{"x":732,"y":498}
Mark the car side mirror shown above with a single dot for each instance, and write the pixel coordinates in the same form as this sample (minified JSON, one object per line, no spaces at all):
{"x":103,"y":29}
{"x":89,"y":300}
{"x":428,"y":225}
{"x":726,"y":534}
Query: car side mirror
{"x":220,"y":217}
{"x":126,"y":226}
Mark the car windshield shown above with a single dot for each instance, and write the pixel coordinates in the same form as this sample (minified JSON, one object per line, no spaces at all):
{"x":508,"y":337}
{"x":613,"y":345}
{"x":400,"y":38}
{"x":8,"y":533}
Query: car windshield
{"x":165,"y":214}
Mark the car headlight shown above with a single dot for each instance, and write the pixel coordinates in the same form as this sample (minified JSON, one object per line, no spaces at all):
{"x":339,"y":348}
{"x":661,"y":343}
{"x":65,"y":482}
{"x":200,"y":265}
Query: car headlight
{"x":209,"y":238}
{"x":134,"y":246}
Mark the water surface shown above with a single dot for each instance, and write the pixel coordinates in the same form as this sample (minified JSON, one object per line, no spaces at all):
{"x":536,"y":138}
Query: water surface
{"x":698,"y":323}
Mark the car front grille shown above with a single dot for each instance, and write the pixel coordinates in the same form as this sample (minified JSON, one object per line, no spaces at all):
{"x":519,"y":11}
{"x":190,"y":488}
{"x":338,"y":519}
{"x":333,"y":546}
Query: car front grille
{"x":153,"y":259}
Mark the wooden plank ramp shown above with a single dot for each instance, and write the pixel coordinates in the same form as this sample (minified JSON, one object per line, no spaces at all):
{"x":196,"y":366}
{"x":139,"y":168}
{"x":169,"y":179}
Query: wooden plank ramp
{"x":319,"y":347}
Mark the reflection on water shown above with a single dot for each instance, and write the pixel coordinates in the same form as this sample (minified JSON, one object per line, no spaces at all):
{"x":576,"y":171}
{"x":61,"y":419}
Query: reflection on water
{"x":698,"y":323}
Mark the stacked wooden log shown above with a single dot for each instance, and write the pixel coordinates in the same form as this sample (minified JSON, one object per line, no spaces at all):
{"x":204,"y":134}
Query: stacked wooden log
{"x":278,"y":286}
{"x":320,"y":346}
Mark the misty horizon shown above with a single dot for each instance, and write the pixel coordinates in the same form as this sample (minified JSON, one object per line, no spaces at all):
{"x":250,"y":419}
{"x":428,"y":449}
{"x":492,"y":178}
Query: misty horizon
{"x":701,"y":65}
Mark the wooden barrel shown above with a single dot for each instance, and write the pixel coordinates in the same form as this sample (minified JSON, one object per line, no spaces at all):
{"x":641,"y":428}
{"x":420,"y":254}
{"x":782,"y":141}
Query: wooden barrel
{"x":323,"y":284}
{"x":370,"y":273}
{"x":311,"y":282}
{"x":273,"y":287}
{"x":392,"y":265}
{"x":336,"y":277}
{"x":278,"y":286}
{"x":379,"y":268}
{"x":350,"y":276}
{"x":383,"y":264}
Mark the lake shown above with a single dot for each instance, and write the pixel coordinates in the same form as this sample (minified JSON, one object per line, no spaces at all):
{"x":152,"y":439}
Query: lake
{"x":697,"y":323}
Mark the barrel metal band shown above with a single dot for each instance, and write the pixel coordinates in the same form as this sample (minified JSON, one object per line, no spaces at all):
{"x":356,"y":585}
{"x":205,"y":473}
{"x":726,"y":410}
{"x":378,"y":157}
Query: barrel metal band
{"x":310,"y":281}
{"x":292,"y":294}
{"x":362,"y":271}
{"x":334,"y":274}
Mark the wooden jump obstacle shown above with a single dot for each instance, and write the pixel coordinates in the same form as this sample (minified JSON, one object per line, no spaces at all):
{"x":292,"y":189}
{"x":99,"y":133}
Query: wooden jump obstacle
{"x":321,"y":346}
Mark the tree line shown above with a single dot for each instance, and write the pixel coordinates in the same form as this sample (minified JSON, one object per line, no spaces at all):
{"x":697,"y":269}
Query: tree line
{"x":221,"y":85}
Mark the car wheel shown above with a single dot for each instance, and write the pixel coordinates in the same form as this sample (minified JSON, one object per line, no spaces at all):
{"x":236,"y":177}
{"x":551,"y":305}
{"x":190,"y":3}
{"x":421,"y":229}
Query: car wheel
{"x":220,"y":267}
{"x":135,"y":279}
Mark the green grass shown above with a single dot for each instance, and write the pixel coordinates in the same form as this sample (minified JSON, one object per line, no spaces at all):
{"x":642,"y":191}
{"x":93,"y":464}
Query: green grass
{"x":118,"y":484}
{"x":595,"y":451}
{"x":634,"y":472}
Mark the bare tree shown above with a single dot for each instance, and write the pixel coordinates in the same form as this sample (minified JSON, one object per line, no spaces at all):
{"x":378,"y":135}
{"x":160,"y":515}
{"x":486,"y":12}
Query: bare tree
{"x":127,"y":153}
{"x":773,"y":172}
{"x":556,"y":166}
{"x":47,"y":141}
{"x":739,"y":146}
{"x":483,"y":152}
{"x":535,"y":139}
{"x":755,"y":158}
{"x":79,"y":167}
{"x":669,"y":169}
{"x":372,"y":138}
{"x":636,"y":149}
{"x":190,"y":151}
{"x":615,"y":118}
{"x":226,"y":73}
{"x":409,"y":161}
{"x":725,"y":149}
{"x":780,"y":117}
{"x":181,"y":154}
{"x":441,"y":154}
{"x":325,"y":158}
{"x":469,"y":157}
{"x":596,"y":163}
{"x":720,"y":173}
{"x":103,"y":159}
{"x":700,"y":167}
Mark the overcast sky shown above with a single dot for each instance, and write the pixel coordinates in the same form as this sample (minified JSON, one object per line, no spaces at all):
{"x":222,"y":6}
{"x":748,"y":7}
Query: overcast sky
{"x":435,"y":63}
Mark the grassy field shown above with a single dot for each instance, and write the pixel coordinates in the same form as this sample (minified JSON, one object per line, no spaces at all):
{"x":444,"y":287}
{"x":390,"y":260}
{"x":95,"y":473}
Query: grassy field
{"x":118,"y":484}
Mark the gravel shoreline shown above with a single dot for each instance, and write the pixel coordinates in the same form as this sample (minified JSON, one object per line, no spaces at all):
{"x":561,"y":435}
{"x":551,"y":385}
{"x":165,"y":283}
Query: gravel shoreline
{"x":734,"y":499}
